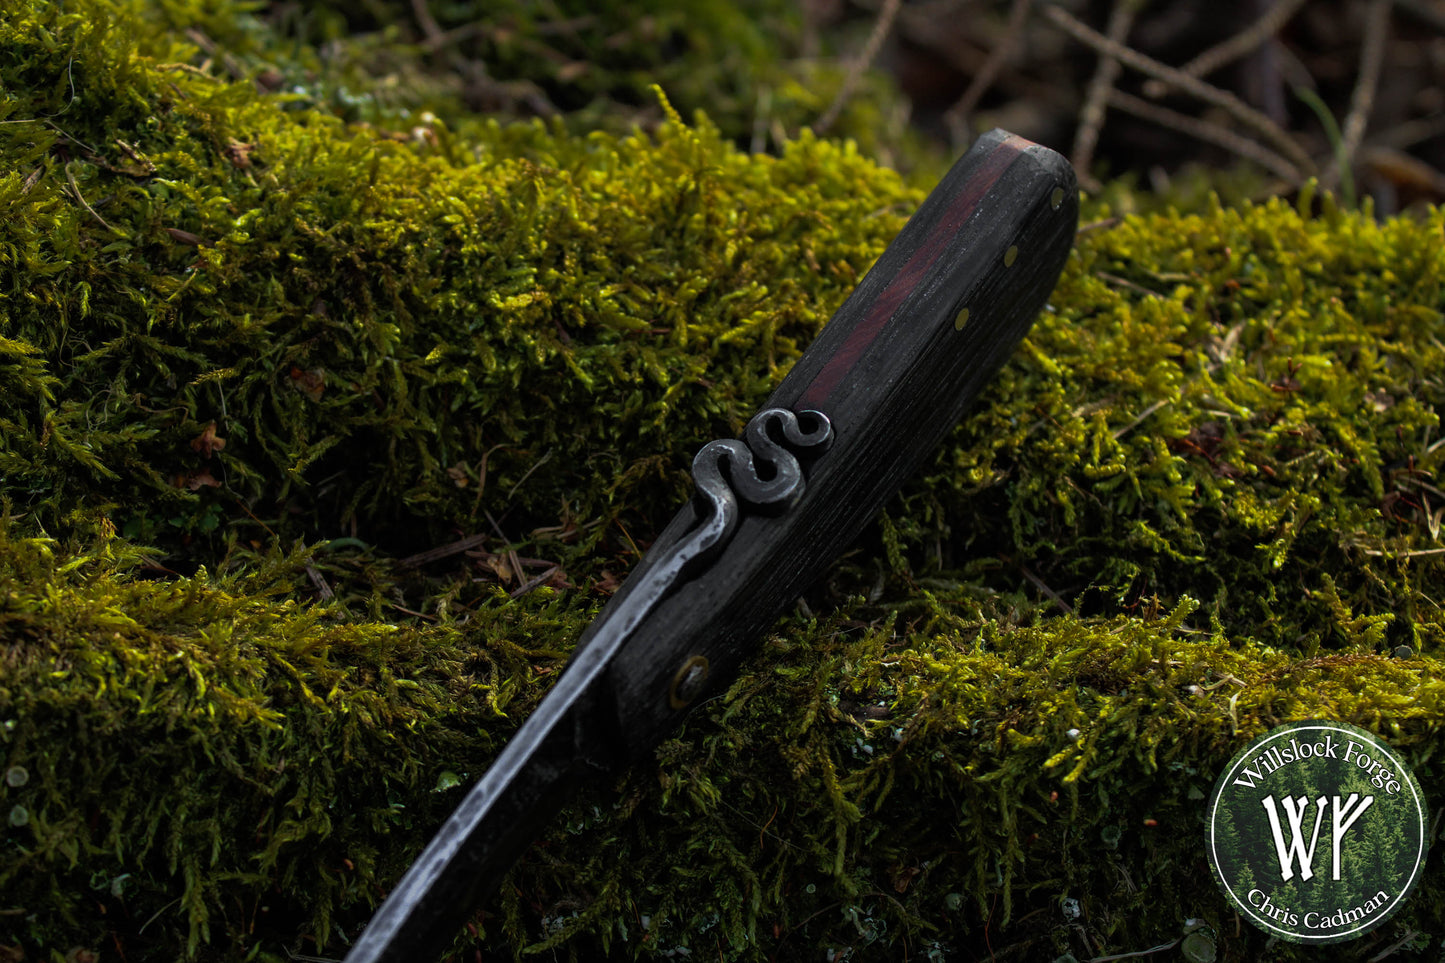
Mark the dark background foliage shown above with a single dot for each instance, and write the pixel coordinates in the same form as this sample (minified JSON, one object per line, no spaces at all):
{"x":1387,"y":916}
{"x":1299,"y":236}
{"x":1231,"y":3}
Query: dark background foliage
{"x":1353,"y":89}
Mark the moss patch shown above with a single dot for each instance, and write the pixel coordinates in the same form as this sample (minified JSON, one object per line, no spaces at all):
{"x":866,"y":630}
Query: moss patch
{"x":263,"y":300}
{"x":1238,"y":404}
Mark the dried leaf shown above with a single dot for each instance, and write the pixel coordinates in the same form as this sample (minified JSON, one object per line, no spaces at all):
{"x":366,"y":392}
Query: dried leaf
{"x":197,"y":480}
{"x":208,"y":442}
{"x":239,"y":153}
{"x":185,"y":237}
{"x":310,"y":383}
{"x":500,"y":568}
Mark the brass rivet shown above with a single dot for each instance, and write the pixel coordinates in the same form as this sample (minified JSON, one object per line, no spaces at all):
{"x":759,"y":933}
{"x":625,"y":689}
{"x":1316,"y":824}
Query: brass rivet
{"x":688,"y":682}
{"x":961,"y":320}
{"x":1010,"y":256}
{"x":1057,"y":197}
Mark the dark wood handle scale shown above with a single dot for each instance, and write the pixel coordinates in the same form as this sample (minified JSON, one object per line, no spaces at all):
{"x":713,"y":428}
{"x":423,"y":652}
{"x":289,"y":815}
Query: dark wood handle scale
{"x":890,"y":374}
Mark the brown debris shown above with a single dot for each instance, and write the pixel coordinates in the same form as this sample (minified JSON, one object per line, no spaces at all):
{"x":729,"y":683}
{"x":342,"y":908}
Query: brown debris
{"x":208,"y":442}
{"x":185,"y":237}
{"x":239,"y":153}
{"x":310,"y":383}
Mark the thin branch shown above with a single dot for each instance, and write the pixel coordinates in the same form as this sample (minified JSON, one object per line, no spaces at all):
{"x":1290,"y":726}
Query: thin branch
{"x":1207,"y":131}
{"x":1372,"y":57}
{"x":1418,"y":553}
{"x":1121,"y":432}
{"x":1411,"y":132}
{"x":429,"y":27}
{"x":1106,"y":74}
{"x":323,"y":588}
{"x":1102,"y":225}
{"x":957,"y":116}
{"x":527,"y":586}
{"x":924,"y":23}
{"x":1237,"y":108}
{"x":881,"y":26}
{"x":414,"y":614}
{"x":1053,"y":596}
{"x":1117,"y":281}
{"x":211,"y":49}
{"x":1137,"y":953}
{"x":1237,"y":46}
{"x":75,"y":189}
{"x":441,"y":552}
{"x":1424,"y":10}
{"x":1389,"y":951}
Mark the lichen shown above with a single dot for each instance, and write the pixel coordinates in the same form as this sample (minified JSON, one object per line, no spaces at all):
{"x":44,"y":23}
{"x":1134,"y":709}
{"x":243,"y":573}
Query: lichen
{"x":259,"y":349}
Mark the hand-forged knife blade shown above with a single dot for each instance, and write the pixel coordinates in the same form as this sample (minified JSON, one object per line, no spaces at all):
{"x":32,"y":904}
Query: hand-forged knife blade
{"x":890,"y":374}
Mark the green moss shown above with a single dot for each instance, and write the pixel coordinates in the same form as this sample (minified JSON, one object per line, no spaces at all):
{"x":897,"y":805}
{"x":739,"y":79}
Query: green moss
{"x":233,"y":771}
{"x":741,"y":62}
{"x":1237,"y":404}
{"x":323,"y":293}
{"x":234,"y":320}
{"x":197,"y":742}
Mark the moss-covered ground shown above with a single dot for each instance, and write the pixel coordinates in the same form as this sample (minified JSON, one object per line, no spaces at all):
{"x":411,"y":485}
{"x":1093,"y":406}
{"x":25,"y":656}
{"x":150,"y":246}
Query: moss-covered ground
{"x":261,"y":358}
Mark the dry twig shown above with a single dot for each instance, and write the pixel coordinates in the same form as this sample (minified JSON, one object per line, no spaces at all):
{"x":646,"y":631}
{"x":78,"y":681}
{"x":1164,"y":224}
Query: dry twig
{"x":532,"y":583}
{"x":323,"y":588}
{"x":881,"y":26}
{"x":1411,"y":132}
{"x":1372,"y":56}
{"x":429,"y":27}
{"x":1206,"y":131}
{"x":1240,"y":45}
{"x":956,"y":117}
{"x":1053,"y":596}
{"x":1091,"y":117}
{"x":442,"y":551}
{"x":75,"y":190}
{"x":1245,"y":114}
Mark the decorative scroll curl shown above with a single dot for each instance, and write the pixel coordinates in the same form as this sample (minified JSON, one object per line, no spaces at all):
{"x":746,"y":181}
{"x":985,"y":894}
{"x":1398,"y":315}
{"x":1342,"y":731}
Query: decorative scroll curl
{"x":761,"y":471}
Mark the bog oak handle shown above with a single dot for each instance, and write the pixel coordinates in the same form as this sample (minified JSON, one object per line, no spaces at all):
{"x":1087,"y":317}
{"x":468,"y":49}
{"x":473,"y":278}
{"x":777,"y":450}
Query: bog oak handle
{"x":941,"y":310}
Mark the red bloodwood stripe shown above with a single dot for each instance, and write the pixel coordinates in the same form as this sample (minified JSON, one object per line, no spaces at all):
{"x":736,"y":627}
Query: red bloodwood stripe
{"x":817,"y":393}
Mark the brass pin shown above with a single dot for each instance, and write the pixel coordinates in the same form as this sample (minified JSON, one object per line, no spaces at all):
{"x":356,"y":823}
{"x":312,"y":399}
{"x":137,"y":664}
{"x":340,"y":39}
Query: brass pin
{"x":688,"y":682}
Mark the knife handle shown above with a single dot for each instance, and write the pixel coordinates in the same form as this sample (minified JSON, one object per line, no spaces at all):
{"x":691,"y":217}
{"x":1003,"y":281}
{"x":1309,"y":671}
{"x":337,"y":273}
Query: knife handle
{"x":893,"y":370}
{"x":931,"y":322}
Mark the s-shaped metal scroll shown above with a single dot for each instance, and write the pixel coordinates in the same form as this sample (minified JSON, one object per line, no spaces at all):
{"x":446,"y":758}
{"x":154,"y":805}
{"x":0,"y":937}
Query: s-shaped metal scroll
{"x":774,"y":495}
{"x":771,"y":446}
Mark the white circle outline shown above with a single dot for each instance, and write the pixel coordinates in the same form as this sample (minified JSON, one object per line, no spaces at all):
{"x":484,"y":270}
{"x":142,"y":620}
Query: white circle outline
{"x":1244,"y":755}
